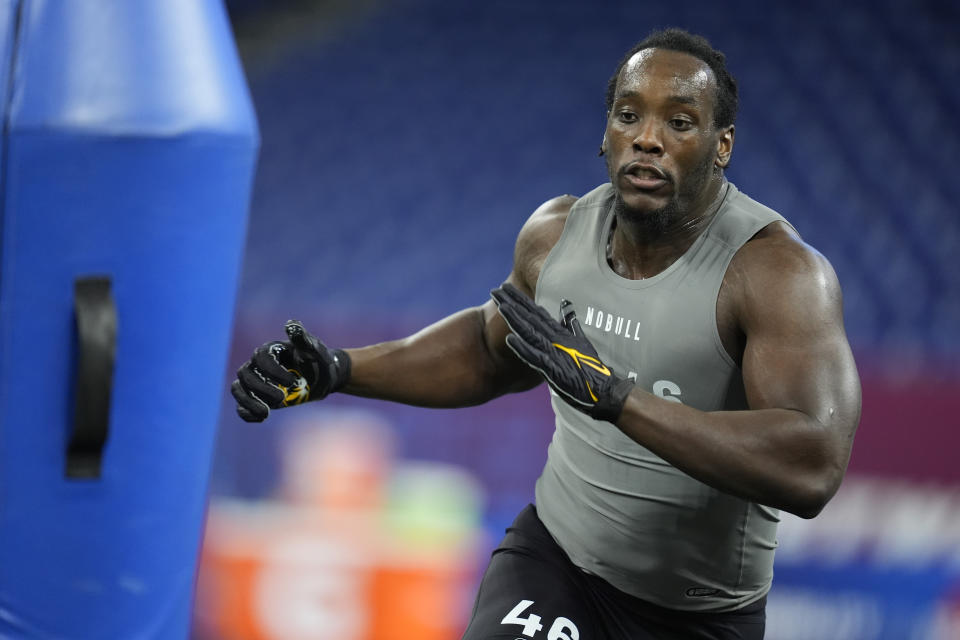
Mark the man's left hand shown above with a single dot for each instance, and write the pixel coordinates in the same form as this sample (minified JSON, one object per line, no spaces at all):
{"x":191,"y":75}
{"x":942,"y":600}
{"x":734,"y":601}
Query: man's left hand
{"x":560,"y":351}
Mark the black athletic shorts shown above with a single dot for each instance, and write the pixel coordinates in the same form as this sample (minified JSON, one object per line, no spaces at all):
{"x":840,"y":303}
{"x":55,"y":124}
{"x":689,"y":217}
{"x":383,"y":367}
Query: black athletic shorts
{"x":532,"y":591}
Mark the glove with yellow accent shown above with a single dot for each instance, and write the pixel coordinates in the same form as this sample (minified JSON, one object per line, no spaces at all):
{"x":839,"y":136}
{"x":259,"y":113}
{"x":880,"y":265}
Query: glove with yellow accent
{"x":282,"y":374}
{"x":561,"y":352}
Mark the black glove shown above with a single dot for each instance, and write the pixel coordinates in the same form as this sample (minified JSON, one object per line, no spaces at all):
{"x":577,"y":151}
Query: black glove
{"x":282,"y":374}
{"x":561,"y":352}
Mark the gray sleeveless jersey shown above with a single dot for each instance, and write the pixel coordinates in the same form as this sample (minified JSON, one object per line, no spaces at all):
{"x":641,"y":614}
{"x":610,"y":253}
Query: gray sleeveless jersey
{"x":618,"y":510}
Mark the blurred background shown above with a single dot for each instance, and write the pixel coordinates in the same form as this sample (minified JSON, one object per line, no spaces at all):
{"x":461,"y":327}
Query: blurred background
{"x":404,"y":143}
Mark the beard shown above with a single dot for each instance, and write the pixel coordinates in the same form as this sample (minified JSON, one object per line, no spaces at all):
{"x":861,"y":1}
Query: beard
{"x":658,"y":221}
{"x":650,"y":223}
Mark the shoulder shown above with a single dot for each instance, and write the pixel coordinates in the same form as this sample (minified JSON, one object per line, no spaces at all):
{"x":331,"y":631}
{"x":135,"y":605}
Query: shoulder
{"x":537,"y":237}
{"x":776,"y":274}
{"x":544,"y":226}
{"x":777,"y":252}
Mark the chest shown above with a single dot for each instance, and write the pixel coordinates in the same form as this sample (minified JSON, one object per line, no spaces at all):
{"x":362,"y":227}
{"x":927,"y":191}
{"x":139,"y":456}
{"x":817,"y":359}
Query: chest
{"x":665,"y":332}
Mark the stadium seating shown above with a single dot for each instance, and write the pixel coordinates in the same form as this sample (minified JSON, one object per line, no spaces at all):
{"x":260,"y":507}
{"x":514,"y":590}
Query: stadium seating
{"x":408,"y":150}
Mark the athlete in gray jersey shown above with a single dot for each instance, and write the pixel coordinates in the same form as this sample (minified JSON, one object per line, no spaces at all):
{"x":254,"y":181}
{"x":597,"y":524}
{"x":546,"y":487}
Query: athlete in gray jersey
{"x":699,"y":370}
{"x":663,"y":536}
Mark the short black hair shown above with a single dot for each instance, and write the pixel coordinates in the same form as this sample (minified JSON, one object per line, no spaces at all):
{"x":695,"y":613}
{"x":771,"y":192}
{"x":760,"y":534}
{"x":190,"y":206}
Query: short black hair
{"x":675,"y":39}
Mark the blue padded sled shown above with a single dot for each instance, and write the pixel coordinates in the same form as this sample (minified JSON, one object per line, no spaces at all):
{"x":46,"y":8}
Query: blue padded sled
{"x":129,"y":151}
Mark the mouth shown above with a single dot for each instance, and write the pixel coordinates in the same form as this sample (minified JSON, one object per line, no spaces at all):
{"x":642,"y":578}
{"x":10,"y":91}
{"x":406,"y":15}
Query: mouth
{"x":644,"y":177}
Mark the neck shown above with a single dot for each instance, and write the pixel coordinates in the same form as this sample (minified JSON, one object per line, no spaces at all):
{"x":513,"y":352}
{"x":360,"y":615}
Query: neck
{"x":637,"y":250}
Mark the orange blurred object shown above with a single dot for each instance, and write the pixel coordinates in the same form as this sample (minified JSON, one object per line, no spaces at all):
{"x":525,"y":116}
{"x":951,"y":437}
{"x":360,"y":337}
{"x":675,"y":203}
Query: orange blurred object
{"x":359,"y":549}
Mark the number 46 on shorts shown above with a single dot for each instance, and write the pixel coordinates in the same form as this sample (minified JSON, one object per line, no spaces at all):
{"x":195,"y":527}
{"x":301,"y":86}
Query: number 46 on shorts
{"x":561,"y":629}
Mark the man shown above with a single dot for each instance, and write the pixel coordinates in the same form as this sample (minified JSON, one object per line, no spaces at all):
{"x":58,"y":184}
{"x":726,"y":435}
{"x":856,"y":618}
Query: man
{"x":698,"y":366}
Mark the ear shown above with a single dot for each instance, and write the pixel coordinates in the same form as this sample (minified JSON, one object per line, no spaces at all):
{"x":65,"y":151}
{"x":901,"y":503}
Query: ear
{"x":724,"y":148}
{"x":603,"y":145}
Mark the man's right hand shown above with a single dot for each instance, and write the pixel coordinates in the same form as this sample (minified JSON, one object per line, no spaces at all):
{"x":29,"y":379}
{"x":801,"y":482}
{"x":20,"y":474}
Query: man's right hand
{"x":282,"y":374}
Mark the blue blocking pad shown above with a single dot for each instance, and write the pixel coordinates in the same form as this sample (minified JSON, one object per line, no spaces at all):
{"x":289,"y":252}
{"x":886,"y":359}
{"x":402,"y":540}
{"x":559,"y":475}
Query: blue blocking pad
{"x":130,"y":148}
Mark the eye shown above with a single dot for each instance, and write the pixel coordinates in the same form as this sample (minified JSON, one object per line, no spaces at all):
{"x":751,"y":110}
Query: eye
{"x":680,"y":124}
{"x":626,"y":116}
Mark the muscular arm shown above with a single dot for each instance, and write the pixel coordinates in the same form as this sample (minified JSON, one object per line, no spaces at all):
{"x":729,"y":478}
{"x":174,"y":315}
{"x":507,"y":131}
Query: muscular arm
{"x":462,"y":360}
{"x":790,"y":449}
{"x":458,"y":361}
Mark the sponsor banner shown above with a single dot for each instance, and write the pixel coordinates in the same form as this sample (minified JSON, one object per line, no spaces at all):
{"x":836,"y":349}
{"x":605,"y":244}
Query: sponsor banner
{"x":909,"y":427}
{"x":882,"y":562}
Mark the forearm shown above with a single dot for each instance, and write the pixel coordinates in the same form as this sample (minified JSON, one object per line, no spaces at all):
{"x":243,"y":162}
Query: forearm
{"x":781,"y":458}
{"x":448,"y":364}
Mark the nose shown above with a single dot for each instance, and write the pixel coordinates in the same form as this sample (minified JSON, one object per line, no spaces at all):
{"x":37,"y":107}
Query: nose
{"x":649,"y":138}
